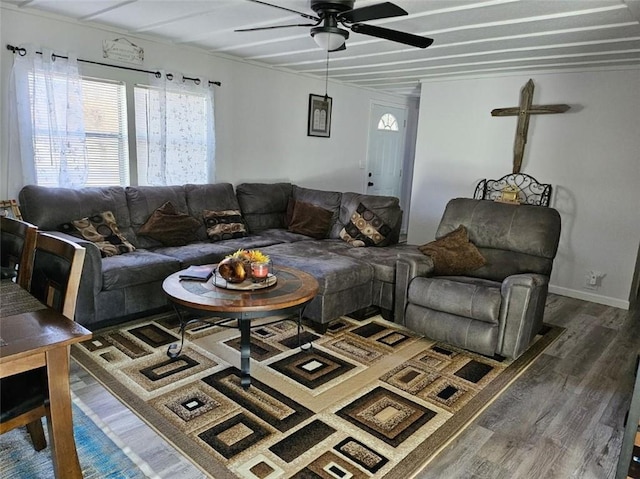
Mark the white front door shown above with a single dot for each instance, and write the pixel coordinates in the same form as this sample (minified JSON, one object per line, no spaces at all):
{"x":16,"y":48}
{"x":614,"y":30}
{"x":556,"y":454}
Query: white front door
{"x":386,"y":150}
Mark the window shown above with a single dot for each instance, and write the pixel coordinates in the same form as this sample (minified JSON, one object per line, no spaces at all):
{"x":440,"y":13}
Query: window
{"x":106,"y":143}
{"x":73,"y":130}
{"x":388,"y":122}
{"x":173,"y":142}
{"x":105,"y":122}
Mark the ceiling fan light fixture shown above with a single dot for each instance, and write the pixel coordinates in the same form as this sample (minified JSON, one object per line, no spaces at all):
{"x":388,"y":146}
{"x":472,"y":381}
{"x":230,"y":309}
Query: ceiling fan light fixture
{"x":329,"y":38}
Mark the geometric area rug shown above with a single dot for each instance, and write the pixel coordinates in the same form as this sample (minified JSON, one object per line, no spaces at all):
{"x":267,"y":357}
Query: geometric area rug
{"x":368,"y":400}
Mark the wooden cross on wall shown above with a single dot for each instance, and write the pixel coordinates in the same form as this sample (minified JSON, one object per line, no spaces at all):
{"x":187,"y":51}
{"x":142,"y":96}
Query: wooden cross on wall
{"x":524,"y":111}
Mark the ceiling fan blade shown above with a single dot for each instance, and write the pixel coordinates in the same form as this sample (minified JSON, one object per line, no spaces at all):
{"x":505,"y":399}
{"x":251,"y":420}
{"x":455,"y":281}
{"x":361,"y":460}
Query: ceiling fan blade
{"x":371,"y":12}
{"x":275,"y":26}
{"x":302,"y":14}
{"x":393,"y":35}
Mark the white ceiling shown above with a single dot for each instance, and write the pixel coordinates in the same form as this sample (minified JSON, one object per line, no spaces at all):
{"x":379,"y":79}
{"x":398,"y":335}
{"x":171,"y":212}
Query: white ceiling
{"x":471,"y":36}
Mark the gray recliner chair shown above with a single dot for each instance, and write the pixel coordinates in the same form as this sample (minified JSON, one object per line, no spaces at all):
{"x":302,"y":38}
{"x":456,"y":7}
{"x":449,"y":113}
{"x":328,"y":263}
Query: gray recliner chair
{"x":498,"y":308}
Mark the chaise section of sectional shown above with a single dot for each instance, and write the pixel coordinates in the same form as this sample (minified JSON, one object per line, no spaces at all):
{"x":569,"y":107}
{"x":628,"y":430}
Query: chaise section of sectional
{"x":345,"y":284}
{"x":383,"y":264}
{"x":350,"y":278}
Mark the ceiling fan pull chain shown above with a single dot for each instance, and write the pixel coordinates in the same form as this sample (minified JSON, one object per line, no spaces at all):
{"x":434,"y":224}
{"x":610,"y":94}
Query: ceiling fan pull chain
{"x":326,"y":79}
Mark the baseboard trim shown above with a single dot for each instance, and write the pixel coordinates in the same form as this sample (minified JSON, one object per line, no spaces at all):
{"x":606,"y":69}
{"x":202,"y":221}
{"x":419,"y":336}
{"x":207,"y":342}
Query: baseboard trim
{"x":592,"y":297}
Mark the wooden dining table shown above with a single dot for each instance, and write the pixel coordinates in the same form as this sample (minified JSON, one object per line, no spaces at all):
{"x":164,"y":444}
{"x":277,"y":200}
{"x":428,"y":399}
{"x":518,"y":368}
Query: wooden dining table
{"x":33,"y":335}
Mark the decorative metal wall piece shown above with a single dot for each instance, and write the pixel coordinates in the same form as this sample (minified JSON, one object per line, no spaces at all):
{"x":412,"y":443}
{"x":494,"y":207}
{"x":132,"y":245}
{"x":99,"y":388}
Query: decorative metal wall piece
{"x":122,"y":50}
{"x":530,"y":191}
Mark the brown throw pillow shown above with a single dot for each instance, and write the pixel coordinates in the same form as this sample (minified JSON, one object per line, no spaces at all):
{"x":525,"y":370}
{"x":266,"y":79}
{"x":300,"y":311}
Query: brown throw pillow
{"x":310,"y":220}
{"x":291,"y":204}
{"x":224,"y":224}
{"x":453,"y":254}
{"x":365,"y":228}
{"x":102,"y":230}
{"x":172,"y":228}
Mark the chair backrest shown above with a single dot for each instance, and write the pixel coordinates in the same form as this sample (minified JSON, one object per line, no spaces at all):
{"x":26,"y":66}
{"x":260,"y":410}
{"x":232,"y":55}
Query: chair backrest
{"x":57,"y":266}
{"x":512,"y":238}
{"x":18,"y":241}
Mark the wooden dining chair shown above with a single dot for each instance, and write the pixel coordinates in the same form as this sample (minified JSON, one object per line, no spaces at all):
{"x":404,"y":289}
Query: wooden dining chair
{"x":57,"y":266}
{"x":18,"y":242}
{"x":55,"y":279}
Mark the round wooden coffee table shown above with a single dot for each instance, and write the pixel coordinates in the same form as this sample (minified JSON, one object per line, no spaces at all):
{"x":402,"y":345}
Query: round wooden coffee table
{"x":290,"y":294}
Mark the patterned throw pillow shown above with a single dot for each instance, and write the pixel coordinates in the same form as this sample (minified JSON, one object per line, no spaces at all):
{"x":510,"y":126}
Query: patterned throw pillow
{"x":365,"y":228}
{"x":310,"y":220}
{"x":453,"y":254}
{"x":102,"y":230}
{"x":170,"y":227}
{"x":225,"y":224}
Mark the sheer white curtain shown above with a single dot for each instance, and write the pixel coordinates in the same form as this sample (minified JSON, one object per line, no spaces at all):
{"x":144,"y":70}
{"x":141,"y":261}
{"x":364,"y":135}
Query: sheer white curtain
{"x":47,"y":135}
{"x":180,"y":146}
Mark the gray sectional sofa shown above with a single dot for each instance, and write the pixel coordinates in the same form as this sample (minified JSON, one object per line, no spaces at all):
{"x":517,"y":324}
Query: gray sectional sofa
{"x":118,"y":288}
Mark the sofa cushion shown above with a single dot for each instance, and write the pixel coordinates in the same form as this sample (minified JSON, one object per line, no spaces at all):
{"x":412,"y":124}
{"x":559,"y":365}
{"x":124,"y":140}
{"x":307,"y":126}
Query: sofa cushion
{"x":531,"y":230}
{"x":101,"y":229}
{"x":365,"y":228}
{"x":387,"y":208}
{"x":279,"y":235}
{"x":199,"y":252}
{"x":138,"y":267}
{"x":383,"y":260}
{"x":291,"y":204}
{"x":144,"y":200}
{"x":263,"y":205}
{"x":169,"y":226}
{"x":453,"y":253}
{"x":212,"y":197}
{"x":329,"y":200}
{"x":207,"y":252}
{"x":224,"y":224}
{"x":50,"y":207}
{"x":477,"y":299}
{"x":334,"y":272}
{"x":310,"y":220}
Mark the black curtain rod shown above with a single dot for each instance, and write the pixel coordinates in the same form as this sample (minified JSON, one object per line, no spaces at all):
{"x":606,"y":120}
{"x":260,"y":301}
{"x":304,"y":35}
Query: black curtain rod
{"x":22,"y":52}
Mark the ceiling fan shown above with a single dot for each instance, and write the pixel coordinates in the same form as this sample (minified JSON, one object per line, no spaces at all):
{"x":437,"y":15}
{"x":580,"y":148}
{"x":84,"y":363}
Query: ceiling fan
{"x":331,"y":13}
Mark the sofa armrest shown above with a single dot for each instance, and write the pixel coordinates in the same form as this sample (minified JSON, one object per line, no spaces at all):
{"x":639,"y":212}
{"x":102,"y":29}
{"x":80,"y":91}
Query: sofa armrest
{"x":91,"y":280}
{"x":521,"y":312}
{"x":408,"y":266}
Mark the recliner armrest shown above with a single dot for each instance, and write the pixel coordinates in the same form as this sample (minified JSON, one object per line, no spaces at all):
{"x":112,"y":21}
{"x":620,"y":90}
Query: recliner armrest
{"x":408,"y":266}
{"x":521,"y":313}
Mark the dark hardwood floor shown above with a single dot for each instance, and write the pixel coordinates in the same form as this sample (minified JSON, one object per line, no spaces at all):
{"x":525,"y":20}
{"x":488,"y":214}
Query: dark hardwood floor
{"x":563,"y":418}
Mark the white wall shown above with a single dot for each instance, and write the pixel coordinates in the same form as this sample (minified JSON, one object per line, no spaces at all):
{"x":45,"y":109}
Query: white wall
{"x":591,"y":156}
{"x":260,"y":113}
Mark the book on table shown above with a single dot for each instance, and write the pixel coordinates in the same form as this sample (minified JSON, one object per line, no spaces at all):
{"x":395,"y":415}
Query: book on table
{"x":197,"y":273}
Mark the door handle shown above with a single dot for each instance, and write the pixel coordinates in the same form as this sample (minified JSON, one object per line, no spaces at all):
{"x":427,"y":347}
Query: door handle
{"x":370,"y":183}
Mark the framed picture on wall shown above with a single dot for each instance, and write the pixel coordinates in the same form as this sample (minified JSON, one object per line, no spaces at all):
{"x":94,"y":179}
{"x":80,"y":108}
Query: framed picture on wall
{"x":319,"y":121}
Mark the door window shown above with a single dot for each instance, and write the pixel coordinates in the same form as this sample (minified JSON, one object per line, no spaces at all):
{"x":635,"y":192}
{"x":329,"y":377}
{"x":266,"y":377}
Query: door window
{"x":388,"y":122}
